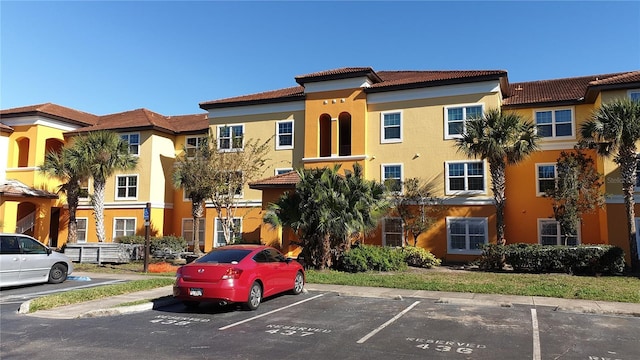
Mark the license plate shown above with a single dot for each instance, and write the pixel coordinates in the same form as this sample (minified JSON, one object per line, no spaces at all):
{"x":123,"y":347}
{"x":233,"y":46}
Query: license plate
{"x":195,"y":292}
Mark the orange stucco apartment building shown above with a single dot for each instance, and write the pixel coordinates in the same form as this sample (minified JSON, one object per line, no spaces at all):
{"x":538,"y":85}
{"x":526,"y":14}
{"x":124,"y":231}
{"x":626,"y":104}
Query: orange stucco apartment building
{"x":396,"y":124}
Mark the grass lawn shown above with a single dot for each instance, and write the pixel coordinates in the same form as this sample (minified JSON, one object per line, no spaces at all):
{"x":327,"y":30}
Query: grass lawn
{"x":604,"y":288}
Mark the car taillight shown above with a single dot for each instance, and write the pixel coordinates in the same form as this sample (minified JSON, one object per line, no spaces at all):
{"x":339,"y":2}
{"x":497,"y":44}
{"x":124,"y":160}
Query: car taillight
{"x":232,"y":273}
{"x":179,"y":273}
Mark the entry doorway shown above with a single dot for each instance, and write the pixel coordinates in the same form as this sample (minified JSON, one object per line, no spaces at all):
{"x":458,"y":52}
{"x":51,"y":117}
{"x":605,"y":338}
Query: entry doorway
{"x":54,"y":227}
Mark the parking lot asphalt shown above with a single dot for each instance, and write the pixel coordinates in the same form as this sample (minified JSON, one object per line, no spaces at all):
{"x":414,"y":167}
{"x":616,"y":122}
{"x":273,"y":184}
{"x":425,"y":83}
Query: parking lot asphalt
{"x":160,"y":297}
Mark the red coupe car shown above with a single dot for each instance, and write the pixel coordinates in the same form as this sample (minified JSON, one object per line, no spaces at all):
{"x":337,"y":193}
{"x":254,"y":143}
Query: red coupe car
{"x":238,"y":274}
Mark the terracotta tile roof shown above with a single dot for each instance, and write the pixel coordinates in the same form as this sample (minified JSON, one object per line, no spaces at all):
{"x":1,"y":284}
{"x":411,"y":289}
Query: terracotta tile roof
{"x":381,"y":81}
{"x":145,"y":119}
{"x":52,"y":110}
{"x":432,"y":78}
{"x":286,"y":180}
{"x":567,"y":90}
{"x":15,"y":188}
{"x":341,"y":73}
{"x":189,"y":123}
{"x":5,"y":128}
{"x":274,"y":96}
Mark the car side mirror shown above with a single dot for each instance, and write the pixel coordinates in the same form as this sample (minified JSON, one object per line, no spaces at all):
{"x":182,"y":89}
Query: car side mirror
{"x":49,"y":251}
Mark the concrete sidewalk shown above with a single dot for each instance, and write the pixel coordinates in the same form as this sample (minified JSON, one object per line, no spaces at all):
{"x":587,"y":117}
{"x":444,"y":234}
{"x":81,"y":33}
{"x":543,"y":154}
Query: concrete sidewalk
{"x":163,"y":296}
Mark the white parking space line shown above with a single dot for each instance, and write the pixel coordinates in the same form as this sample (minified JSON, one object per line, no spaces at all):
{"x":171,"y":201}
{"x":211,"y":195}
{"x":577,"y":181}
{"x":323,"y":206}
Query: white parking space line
{"x":536,"y":335}
{"x":47,"y":292}
{"x":269,"y":313}
{"x":369,"y":335}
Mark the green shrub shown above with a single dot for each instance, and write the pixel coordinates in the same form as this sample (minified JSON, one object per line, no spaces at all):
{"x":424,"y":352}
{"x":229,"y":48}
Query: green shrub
{"x":419,"y":257}
{"x":168,"y":244}
{"x":582,"y":259}
{"x":370,"y":257}
{"x":131,"y":239}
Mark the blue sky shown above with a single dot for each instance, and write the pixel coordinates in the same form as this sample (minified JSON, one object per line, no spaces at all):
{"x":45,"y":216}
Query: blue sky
{"x":168,"y":56}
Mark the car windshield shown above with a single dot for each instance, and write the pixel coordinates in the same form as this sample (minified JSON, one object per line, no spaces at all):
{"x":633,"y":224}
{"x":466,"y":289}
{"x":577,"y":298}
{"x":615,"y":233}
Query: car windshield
{"x":224,"y":256}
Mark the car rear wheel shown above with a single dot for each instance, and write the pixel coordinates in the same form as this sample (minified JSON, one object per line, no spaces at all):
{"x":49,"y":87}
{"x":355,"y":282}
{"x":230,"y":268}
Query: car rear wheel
{"x":255,"y":296}
{"x":58,"y":273}
{"x":298,"y":284}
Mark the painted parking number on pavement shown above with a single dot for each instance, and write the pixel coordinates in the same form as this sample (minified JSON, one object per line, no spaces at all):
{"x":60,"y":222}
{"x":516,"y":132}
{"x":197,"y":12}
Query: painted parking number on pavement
{"x":289,"y":330}
{"x":176,"y":320}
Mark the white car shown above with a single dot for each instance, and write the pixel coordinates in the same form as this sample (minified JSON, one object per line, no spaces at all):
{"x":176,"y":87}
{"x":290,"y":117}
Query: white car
{"x":24,"y":260}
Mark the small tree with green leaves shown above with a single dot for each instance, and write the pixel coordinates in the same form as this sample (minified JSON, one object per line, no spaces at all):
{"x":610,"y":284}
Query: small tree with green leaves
{"x":192,"y":172}
{"x":416,"y":206}
{"x":577,"y":191}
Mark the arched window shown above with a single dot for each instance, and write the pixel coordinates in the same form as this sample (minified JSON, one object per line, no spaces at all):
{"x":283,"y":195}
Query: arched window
{"x":23,"y":152}
{"x":344,"y":132}
{"x":53,"y":145}
{"x":325,"y":135}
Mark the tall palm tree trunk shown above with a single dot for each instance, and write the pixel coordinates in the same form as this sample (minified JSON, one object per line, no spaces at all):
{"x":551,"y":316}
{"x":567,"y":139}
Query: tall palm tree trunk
{"x":628,"y":163}
{"x":98,"y":208}
{"x":498,"y":180}
{"x":72,"y":200}
{"x":197,"y":210}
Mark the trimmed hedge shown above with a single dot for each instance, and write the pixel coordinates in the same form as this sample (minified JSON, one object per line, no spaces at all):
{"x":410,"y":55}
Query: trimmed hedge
{"x":382,"y":258}
{"x":582,"y":259}
{"x":160,"y":244}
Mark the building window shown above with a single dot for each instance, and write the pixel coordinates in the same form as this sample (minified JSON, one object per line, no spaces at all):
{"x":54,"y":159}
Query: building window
{"x":545,"y":178}
{"x":187,"y":230}
{"x":456,"y":116}
{"x":555,"y":123}
{"x":126,"y":187}
{"x":466,"y":235}
{"x":550,"y":234}
{"x":284,"y":135}
{"x":192,"y":144}
{"x":392,"y":232}
{"x":124,"y":227}
{"x":392,"y":177}
{"x":281,"y":171}
{"x":231,"y":137}
{"x":219,"y":232}
{"x":634,"y":94}
{"x":465,"y":177}
{"x":133,"y":139}
{"x":81,"y":229}
{"x":391,"y":127}
{"x":83,"y":193}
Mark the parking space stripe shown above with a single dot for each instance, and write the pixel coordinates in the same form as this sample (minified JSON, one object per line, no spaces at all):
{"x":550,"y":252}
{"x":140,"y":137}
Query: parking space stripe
{"x":377,"y":330}
{"x":268,"y":313}
{"x":536,"y":335}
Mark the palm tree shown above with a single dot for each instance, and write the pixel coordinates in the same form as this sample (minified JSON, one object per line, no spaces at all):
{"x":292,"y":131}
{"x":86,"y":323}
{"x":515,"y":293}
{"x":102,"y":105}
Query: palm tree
{"x":502,"y":139}
{"x":190,"y":174}
{"x":613,"y":131}
{"x":103,"y":153}
{"x":68,"y":167}
{"x":327,"y":209}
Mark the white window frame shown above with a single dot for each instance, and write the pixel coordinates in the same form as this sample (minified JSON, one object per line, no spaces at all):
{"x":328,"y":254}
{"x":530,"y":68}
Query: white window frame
{"x":217,"y":224}
{"x":466,"y":251}
{"x":280,"y":146}
{"x":203,"y":228}
{"x":82,"y":230}
{"x":85,"y":198}
{"x":130,"y":144}
{"x":539,"y":192}
{"x":188,"y":147}
{"x":280,"y":171}
{"x":383,"y":139}
{"x":554,"y":124}
{"x":541,"y":222}
{"x":230,"y":138}
{"x":464,"y":118}
{"x":127,"y":187}
{"x":125,"y":219}
{"x":385,"y":232}
{"x":633,"y":92}
{"x":449,"y":191}
{"x":383,"y":179}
